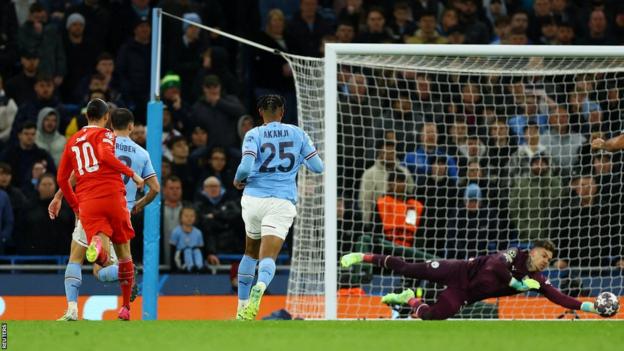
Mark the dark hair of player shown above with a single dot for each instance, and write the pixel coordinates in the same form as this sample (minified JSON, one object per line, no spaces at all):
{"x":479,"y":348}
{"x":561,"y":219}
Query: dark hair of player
{"x":96,"y":109}
{"x":545,"y":244}
{"x":121,"y":118}
{"x":270,"y":103}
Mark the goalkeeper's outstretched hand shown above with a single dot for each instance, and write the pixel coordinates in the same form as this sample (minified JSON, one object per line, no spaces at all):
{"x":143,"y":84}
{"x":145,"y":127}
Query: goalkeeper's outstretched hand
{"x":349,"y":260}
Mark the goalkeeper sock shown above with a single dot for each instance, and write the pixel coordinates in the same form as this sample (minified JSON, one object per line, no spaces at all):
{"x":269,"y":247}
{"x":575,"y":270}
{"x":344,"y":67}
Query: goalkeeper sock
{"x":266,"y":270}
{"x":73,"y":281}
{"x":126,"y":276}
{"x":246,"y":274}
{"x":108,"y":274}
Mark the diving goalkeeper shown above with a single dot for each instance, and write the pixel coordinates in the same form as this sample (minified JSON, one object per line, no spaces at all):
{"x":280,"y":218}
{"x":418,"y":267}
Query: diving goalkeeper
{"x":505,"y":273}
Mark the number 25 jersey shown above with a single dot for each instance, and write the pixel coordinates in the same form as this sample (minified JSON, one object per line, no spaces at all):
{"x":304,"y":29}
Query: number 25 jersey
{"x":90,"y":153}
{"x":279,"y":150}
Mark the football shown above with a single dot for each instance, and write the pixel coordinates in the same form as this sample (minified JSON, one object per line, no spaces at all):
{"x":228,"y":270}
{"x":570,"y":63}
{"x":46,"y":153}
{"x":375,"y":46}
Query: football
{"x":607,"y":304}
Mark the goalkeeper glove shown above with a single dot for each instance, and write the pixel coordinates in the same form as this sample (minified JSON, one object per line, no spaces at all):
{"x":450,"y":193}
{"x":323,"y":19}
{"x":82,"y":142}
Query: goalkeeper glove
{"x":588,"y":307}
{"x":525,"y":284}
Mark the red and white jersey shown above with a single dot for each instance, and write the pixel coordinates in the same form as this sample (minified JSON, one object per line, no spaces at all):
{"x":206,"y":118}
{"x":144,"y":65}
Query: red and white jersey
{"x":90,"y":154}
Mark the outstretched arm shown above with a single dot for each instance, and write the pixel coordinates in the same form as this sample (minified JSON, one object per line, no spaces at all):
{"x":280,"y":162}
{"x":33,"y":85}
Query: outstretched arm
{"x":561,"y":299}
{"x":613,"y":144}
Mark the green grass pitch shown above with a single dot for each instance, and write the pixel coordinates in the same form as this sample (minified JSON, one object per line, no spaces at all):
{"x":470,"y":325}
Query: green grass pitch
{"x":315,"y":335}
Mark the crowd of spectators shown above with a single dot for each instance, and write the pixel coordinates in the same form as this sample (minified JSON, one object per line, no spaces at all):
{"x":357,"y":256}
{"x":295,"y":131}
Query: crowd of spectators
{"x":56,"y":55}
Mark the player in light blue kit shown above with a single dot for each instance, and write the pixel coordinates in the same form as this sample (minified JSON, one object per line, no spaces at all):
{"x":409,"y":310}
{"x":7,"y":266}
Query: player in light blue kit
{"x":134,"y":157}
{"x":272,"y":155}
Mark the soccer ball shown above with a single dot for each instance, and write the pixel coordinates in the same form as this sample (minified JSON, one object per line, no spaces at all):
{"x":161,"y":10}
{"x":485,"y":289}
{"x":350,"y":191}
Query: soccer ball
{"x":607,"y":304}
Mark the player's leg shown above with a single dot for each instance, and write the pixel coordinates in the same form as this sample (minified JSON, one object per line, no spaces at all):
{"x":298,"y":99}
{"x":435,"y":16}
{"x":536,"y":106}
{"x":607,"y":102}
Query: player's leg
{"x":198,"y":259}
{"x":247,"y":272}
{"x":99,"y":249}
{"x":435,"y":271}
{"x":274,"y":228}
{"x":251,"y":214}
{"x":107,"y":272}
{"x":126,"y":277}
{"x":449,"y":303}
{"x":73,"y":280}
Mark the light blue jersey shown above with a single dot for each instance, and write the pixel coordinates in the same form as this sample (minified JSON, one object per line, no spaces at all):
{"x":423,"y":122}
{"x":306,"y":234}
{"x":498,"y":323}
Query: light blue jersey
{"x":279,"y":150}
{"x":135,"y":157}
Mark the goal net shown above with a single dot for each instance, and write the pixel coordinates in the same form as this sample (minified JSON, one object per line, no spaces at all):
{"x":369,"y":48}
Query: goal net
{"x":451,"y":156}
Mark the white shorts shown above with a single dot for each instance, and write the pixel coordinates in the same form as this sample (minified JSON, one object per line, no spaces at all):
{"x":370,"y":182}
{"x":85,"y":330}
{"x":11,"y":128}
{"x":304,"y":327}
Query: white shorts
{"x":267,"y":216}
{"x":80,"y":236}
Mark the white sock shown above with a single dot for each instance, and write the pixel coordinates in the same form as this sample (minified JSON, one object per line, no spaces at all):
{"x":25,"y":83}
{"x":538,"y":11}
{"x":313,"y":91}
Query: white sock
{"x":242,"y":303}
{"x":72,"y":306}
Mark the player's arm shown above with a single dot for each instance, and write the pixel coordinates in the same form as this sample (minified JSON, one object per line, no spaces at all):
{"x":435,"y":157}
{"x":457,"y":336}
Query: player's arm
{"x":312,"y":160}
{"x":613,"y":144}
{"x":250,"y":153}
{"x":63,"y":175}
{"x":55,"y":205}
{"x":154,"y":189}
{"x":554,"y":295}
{"x":106,"y":152}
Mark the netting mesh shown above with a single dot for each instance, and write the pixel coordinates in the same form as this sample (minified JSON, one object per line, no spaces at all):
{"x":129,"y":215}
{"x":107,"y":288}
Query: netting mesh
{"x":455,"y":157}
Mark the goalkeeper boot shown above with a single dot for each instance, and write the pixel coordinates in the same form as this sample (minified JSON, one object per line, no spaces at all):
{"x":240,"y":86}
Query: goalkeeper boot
{"x":94,"y":249}
{"x":135,"y":286}
{"x":124,"y":314}
{"x":349,"y":260}
{"x":398,"y":299}
{"x":251,"y":310}
{"x":69,"y":316}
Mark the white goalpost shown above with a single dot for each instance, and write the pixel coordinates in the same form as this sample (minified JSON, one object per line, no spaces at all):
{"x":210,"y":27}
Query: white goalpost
{"x":479,"y":101}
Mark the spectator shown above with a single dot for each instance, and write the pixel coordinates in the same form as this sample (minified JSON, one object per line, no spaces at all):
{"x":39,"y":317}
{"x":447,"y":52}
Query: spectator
{"x":354,"y":14}
{"x":127,"y":15}
{"x":476,"y":31}
{"x":597,"y":33}
{"x":188,"y":242}
{"x":80,"y":55}
{"x":586,"y":113}
{"x":345,"y":32}
{"x":375,"y":31}
{"x":547,"y":31}
{"x":104,"y":79}
{"x":169,"y":131}
{"x":98,"y":22}
{"x":139,"y":135}
{"x":37,"y":36}
{"x":308,"y":27}
{"x":580,"y":224}
{"x":31,"y":240}
{"x":220,"y":219}
{"x":502,"y":28}
{"x":180,"y":165}
{"x":419,"y":162}
{"x":473,"y":150}
{"x":271,"y":73}
{"x":426,"y":34}
{"x":476,"y":225}
{"x":561,"y":143}
{"x":397,"y":219}
{"x":610,"y":106}
{"x":519,"y":164}
{"x":520,"y":21}
{"x":494,"y":11}
{"x":6,"y":223}
{"x":448,"y":21}
{"x":218,"y":167}
{"x":185,"y":55}
{"x":16,"y":196}
{"x":564,"y":11}
{"x":45,"y":97}
{"x":374,"y":183}
{"x":439,"y":196}
{"x":533,"y":199}
{"x":517,"y":37}
{"x":21,"y":86}
{"x":8,"y":40}
{"x":527,"y":112}
{"x":401,"y":24}
{"x":8,"y":110}
{"x":199,"y":139}
{"x":133,"y":65}
{"x":565,"y":34}
{"x":23,"y":155}
{"x":245,"y":124}
{"x":172,"y":206}
{"x":217,"y":114}
{"x":541,"y":12}
{"x":214,"y":61}
{"x":401,"y":119}
{"x":618,"y":25}
{"x":48,"y":138}
{"x":172,"y":98}
{"x":499,"y":148}
{"x":29,"y":188}
{"x":456,"y":36}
